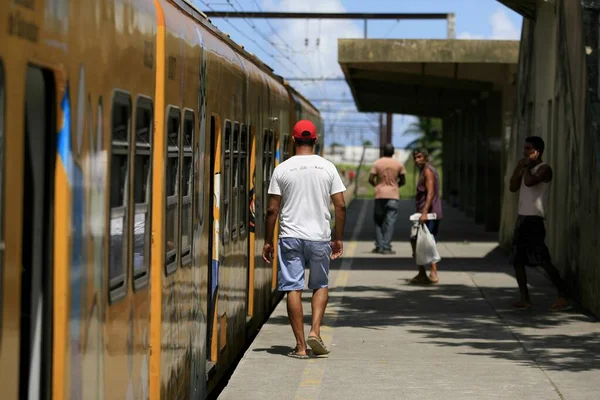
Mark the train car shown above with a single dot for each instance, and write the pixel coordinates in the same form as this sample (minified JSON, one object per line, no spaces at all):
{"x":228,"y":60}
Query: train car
{"x":302,"y":108}
{"x":77,"y":82}
{"x":138,"y":142}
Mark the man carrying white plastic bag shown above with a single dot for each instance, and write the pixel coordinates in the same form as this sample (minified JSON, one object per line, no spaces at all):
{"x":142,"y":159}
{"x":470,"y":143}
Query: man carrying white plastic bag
{"x":426,"y":252}
{"x":427,"y":220}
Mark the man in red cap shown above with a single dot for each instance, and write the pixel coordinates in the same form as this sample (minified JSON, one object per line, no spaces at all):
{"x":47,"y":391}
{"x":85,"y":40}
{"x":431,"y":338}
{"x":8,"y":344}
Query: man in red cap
{"x":301,"y":190}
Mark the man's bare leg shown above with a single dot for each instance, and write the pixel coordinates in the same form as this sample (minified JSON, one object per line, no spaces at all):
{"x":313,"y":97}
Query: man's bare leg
{"x":319,"y":304}
{"x":296,"y":317}
{"x":524,"y":301}
{"x":554,"y":275}
{"x":433,"y":275}
{"x":422,"y":275}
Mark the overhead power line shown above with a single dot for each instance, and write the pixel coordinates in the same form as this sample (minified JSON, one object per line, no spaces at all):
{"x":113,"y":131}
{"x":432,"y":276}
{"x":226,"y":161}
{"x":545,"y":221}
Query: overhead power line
{"x":303,"y":15}
{"x":449,"y":17}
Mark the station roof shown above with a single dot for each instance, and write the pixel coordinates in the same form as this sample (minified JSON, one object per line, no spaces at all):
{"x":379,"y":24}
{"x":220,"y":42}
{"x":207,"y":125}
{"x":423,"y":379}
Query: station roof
{"x":527,"y":8}
{"x":424,"y":77}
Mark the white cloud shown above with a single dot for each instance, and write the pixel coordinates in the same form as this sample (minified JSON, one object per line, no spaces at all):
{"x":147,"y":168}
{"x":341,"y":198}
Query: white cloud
{"x":470,"y":36}
{"x":502,"y":28}
{"x":313,"y":60}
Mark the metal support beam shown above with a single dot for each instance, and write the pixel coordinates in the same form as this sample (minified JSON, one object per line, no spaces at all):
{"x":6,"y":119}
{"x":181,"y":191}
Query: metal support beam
{"x":309,"y":15}
{"x":388,"y":128}
{"x":315,"y":79}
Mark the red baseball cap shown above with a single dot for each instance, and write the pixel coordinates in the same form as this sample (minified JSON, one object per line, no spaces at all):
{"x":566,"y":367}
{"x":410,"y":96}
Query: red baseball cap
{"x":304,"y":129}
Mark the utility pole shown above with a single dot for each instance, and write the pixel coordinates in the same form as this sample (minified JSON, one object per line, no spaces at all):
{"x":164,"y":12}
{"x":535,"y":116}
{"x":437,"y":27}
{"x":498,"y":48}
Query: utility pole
{"x":381,"y":135}
{"x":388,"y":128}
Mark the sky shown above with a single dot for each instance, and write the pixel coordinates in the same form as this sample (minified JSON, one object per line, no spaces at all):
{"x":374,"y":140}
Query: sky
{"x":308,"y":48}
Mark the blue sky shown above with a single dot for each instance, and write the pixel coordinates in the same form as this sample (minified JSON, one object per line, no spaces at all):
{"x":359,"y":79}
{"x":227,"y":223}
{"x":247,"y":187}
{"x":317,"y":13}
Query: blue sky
{"x":308,"y":48}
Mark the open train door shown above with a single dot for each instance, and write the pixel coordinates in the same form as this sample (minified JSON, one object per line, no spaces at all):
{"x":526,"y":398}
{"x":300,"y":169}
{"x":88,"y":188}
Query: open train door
{"x":251,"y":225}
{"x":213,"y":219}
{"x":38,"y":227}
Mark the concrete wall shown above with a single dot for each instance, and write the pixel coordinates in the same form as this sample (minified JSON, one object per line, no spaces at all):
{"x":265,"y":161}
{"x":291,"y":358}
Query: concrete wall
{"x":558,"y":100}
{"x":475,"y":152}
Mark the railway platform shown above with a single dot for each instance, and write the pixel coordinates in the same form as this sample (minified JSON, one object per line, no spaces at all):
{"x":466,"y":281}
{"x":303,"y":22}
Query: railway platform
{"x":459,"y":339}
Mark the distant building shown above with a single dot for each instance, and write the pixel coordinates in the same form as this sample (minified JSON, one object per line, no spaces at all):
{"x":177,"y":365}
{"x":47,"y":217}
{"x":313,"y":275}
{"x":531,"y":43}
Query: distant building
{"x":353,"y":154}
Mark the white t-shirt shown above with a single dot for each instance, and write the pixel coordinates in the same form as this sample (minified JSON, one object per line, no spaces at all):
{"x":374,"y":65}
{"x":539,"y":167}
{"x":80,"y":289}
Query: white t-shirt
{"x":305,"y":184}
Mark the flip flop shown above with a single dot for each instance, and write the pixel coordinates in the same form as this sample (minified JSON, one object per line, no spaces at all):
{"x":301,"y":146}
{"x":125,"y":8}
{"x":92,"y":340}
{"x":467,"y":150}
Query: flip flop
{"x":317,"y":346}
{"x":420,"y":281}
{"x":521,"y":305}
{"x":560,"y":306}
{"x":294,"y":354}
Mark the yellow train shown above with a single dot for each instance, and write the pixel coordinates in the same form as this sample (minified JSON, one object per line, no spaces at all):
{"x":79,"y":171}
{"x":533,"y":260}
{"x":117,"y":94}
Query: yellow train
{"x":137,"y":143}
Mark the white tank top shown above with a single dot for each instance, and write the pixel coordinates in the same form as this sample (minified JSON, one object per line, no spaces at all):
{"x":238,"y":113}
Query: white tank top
{"x":534,"y":199}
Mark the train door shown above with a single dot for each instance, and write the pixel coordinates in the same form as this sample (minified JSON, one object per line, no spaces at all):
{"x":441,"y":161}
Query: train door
{"x":251,"y":223}
{"x":213,"y":239}
{"x":37,"y":239}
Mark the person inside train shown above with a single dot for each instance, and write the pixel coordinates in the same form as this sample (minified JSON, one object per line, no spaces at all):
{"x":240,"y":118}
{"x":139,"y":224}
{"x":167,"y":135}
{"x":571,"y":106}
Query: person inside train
{"x":300,"y":192}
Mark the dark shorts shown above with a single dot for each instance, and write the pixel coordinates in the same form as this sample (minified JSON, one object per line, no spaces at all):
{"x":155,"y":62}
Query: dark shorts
{"x":529,"y":242}
{"x":433,"y":225}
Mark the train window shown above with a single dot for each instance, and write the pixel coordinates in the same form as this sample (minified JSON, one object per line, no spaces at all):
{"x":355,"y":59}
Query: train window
{"x":286,"y":146}
{"x":142,"y":180}
{"x":2,"y":97}
{"x":172,"y":181}
{"x":270,"y":144}
{"x":235,"y":174}
{"x":265,"y":164}
{"x":199,"y":184}
{"x":226,"y":187}
{"x":243,"y":202}
{"x":119,"y":177}
{"x":187,"y":188}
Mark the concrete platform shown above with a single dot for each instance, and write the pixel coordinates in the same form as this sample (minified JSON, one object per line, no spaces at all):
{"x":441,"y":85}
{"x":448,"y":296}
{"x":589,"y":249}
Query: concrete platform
{"x":456,"y":340}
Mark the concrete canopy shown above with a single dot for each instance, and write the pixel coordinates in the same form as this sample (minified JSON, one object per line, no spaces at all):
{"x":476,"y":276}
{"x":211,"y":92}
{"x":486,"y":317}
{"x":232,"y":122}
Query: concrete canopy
{"x":527,"y":8}
{"x":424,"y":77}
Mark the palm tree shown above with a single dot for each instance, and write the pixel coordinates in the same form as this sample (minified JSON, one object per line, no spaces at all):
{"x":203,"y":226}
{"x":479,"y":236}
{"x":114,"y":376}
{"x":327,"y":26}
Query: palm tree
{"x":429,"y":131}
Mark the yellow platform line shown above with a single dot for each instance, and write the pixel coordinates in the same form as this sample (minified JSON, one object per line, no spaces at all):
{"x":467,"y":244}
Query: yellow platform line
{"x":312,"y":376}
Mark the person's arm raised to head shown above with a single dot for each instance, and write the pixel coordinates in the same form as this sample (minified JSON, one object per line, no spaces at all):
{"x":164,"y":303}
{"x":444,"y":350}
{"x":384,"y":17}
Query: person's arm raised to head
{"x":543,"y":174}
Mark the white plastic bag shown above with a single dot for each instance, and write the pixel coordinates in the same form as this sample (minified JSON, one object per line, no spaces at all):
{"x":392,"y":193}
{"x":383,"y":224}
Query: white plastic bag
{"x":426,"y":250}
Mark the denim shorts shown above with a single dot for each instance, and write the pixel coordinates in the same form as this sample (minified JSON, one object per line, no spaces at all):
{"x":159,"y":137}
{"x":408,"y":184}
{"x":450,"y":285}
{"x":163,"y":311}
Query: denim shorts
{"x":297,"y":254}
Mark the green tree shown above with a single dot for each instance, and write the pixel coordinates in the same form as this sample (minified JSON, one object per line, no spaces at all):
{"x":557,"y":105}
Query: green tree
{"x":429,"y":136}
{"x":367,"y":143}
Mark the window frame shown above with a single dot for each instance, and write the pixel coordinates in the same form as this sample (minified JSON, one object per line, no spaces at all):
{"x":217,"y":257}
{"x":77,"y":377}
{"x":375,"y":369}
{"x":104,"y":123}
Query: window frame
{"x":142,"y":279}
{"x":235,"y":176}
{"x":199,"y":150}
{"x":2,"y":170}
{"x":117,"y":285}
{"x":226,"y":182}
{"x":171,"y":261}
{"x":244,"y":202}
{"x":186,"y":152}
